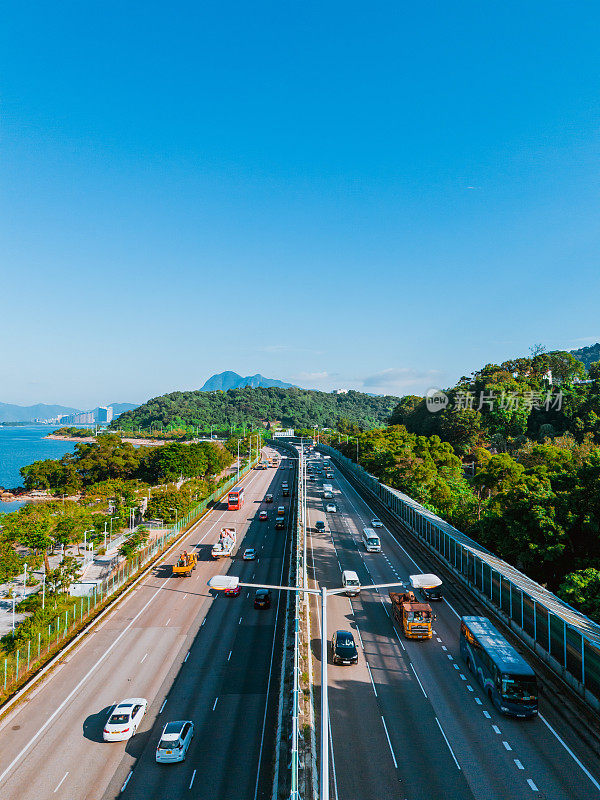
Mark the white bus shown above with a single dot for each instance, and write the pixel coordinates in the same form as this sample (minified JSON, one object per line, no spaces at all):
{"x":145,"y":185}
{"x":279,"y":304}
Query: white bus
{"x":371,"y":541}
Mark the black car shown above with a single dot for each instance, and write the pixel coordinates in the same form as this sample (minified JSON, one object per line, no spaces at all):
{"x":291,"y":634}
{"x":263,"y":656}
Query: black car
{"x":262,"y":598}
{"x":432,"y":594}
{"x":343,"y":648}
{"x":319,"y":525}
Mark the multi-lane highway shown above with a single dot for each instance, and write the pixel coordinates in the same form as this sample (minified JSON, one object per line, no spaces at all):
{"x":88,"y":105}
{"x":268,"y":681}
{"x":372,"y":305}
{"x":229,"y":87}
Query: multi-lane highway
{"x":192,"y":654}
{"x":409,"y":721}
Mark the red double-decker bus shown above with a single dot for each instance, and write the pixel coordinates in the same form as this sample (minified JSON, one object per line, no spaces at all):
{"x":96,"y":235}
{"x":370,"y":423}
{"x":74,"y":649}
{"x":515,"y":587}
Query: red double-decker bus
{"x":235,"y":499}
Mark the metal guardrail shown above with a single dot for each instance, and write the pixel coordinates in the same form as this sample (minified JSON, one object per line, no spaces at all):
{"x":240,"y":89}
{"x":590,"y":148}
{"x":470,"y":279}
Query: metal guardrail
{"x":25,"y":660}
{"x":568,"y":641}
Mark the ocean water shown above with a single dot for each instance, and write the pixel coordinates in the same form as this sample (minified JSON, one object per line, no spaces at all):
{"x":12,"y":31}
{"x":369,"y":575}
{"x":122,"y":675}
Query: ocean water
{"x":20,"y":446}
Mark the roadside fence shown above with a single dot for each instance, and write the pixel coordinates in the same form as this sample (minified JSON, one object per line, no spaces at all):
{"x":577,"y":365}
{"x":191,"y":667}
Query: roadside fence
{"x":17,"y":666}
{"x":566,"y":640}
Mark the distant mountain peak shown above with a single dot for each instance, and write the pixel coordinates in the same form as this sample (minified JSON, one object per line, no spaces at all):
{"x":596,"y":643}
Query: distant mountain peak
{"x":231,"y":380}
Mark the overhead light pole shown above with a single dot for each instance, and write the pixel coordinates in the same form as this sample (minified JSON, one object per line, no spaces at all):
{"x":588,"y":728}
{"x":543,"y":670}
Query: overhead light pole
{"x":222,"y":582}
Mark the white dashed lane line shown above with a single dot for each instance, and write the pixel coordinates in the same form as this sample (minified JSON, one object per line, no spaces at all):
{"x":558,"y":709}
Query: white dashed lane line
{"x":506,"y":745}
{"x":215,"y":703}
{"x":61,"y":782}
{"x":417,"y":677}
{"x":532,"y":785}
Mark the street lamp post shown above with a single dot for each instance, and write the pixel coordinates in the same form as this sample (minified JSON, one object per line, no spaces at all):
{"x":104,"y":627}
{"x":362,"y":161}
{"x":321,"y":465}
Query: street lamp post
{"x":13,"y":613}
{"x":221,"y":582}
{"x":238,"y":462}
{"x":24,"y":579}
{"x":44,"y":589}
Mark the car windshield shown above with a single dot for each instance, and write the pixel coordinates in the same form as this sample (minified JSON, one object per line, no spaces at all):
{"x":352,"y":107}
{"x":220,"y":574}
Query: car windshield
{"x":118,"y":719}
{"x":168,"y":744}
{"x":515,"y":687}
{"x":372,"y":541}
{"x":351,"y":582}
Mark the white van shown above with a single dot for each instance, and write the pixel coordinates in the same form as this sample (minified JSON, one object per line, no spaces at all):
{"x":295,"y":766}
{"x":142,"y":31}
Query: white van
{"x":371,"y":541}
{"x":350,"y":582}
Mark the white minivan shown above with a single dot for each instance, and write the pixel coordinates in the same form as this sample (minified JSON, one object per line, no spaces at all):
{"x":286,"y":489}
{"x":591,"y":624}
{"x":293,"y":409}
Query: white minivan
{"x":371,"y":541}
{"x":350,"y":582}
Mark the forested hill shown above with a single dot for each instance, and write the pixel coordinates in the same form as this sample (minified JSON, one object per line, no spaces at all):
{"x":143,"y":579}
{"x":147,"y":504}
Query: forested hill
{"x":587,"y":355}
{"x":294,"y":408}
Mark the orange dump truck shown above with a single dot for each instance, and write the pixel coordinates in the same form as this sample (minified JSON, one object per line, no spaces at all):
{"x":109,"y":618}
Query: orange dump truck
{"x":412,"y":617}
{"x":185,"y":564}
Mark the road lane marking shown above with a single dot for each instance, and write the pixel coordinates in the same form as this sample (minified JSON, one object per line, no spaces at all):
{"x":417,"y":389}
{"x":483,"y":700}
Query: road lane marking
{"x":439,"y":640}
{"x":61,"y":783}
{"x":187,"y":655}
{"x":127,"y":779}
{"x":389,"y":743}
{"x":184,"y":596}
{"x":444,"y":648}
{"x":569,"y":751}
{"x":532,"y":785}
{"x":144,"y":658}
{"x":478,"y":701}
{"x":417,"y":677}
{"x":203,"y":621}
{"x":371,"y":676}
{"x":360,"y":637}
{"x":215,"y":704}
{"x":506,"y":745}
{"x":167,"y":622}
{"x":192,"y":781}
{"x":487,"y":715}
{"x":76,"y":688}
{"x":229,"y":656}
{"x":462,"y":677}
{"x":518,"y":763}
{"x":456,"y":666}
{"x":163,"y":705}
{"x":240,"y":621}
{"x":469,"y":687}
{"x":447,"y":742}
{"x":450,"y":657}
{"x":496,"y":729}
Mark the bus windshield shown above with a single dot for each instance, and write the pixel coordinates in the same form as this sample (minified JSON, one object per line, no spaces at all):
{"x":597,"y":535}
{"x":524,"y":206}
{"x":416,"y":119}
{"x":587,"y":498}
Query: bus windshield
{"x":519,"y":687}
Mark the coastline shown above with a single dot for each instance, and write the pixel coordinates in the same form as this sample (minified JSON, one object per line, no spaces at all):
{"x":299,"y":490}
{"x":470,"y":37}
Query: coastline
{"x":85,"y":439}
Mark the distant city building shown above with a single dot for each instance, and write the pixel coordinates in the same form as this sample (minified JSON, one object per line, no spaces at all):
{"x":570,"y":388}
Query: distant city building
{"x":339,"y":391}
{"x":105,"y":415}
{"x":283,"y":434}
{"x":82,"y":418}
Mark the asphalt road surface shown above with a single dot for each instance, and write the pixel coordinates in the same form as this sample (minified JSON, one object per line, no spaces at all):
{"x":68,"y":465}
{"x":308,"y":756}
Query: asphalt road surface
{"x":409,"y":721}
{"x":192,"y":653}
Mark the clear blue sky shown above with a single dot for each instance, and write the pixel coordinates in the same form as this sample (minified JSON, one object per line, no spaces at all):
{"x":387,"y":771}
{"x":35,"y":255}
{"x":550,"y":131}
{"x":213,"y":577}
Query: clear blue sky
{"x":381,"y":196}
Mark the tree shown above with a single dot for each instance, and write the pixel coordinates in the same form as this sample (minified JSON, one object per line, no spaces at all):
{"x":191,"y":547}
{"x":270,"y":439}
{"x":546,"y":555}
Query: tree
{"x":581,"y":589}
{"x":134,"y":543}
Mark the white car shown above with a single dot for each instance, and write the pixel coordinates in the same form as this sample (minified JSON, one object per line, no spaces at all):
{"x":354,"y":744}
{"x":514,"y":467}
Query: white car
{"x":175,"y":741}
{"x":331,"y":508}
{"x":249,"y":554}
{"x":124,"y":719}
{"x":376,"y":523}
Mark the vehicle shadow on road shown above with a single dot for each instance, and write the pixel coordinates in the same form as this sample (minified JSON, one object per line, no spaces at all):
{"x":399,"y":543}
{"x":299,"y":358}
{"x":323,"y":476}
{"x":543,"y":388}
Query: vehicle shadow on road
{"x":94,"y":724}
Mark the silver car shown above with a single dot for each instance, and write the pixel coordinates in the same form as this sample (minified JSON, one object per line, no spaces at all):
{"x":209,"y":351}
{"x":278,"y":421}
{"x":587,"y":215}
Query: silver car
{"x":175,"y":741}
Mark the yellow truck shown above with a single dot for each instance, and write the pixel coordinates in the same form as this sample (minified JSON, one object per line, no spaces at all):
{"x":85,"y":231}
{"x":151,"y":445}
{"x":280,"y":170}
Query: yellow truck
{"x":412,"y":617}
{"x":185,"y":564}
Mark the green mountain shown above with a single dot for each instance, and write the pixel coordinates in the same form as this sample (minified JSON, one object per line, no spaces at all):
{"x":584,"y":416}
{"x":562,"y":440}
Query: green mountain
{"x":231,"y":380}
{"x":587,"y":355}
{"x":293,"y":407}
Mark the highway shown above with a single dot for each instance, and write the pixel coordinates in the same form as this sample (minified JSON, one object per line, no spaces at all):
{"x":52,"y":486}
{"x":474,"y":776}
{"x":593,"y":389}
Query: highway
{"x":192,"y":654}
{"x":409,"y":721}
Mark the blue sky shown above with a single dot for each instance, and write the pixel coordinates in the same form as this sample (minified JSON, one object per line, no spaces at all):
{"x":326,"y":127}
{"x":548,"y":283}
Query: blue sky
{"x":378,"y":196}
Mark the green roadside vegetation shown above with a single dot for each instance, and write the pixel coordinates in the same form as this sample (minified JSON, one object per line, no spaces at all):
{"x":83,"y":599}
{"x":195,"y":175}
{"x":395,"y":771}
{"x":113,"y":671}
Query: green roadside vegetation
{"x":109,"y":477}
{"x":520,"y":477}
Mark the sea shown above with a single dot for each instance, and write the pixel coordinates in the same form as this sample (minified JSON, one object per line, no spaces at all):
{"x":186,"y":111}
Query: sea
{"x":22,"y":445}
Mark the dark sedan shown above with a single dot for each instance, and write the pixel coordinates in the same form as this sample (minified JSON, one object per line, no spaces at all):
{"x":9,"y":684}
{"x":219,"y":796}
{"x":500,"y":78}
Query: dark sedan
{"x":262,"y":598}
{"x":343,"y":648}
